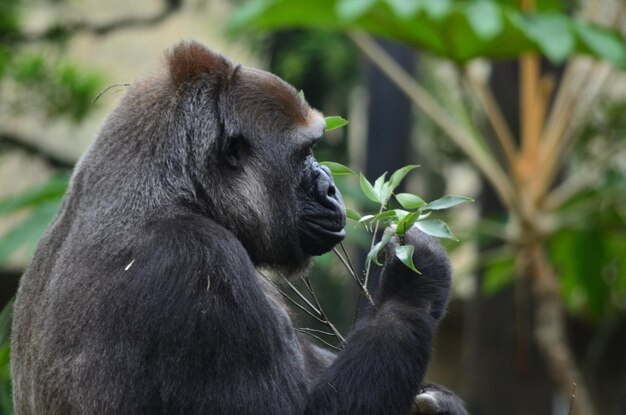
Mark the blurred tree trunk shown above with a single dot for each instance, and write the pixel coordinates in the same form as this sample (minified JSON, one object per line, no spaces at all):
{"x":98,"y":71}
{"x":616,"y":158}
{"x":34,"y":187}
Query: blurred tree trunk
{"x":504,"y":373}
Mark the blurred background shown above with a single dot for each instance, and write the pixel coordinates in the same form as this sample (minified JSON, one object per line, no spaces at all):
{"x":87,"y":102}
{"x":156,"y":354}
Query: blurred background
{"x":519,"y":104}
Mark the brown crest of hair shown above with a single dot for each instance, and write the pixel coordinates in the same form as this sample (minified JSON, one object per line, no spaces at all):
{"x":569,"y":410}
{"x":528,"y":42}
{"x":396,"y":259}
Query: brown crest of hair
{"x":190,"y":60}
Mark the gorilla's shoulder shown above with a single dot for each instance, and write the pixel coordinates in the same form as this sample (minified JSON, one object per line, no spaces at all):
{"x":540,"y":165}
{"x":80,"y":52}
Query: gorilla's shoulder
{"x":189,"y":233}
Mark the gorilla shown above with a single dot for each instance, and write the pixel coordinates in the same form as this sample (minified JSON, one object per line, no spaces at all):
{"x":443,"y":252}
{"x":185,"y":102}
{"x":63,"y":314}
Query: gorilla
{"x":144,"y":295}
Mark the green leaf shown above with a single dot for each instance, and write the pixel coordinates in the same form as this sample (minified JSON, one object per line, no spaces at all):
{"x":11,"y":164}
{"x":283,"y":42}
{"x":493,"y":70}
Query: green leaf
{"x":365,"y":218}
{"x":54,"y":189}
{"x":405,"y":255}
{"x":400,"y":214}
{"x":28,"y":232}
{"x":601,"y":43}
{"x":436,"y":228}
{"x":399,"y":175}
{"x":352,"y":9}
{"x":404,"y":9}
{"x":446,"y":202}
{"x":301,"y":95}
{"x":334,"y":122}
{"x":436,"y":9}
{"x":406,"y":223}
{"x":337,"y":169}
{"x":457,"y":30}
{"x":382,"y":188}
{"x":378,"y":184}
{"x":353,"y":214}
{"x":389,"y":214}
{"x":498,"y":275}
{"x":372,"y":255}
{"x":410,"y":201}
{"x":550,"y":31}
{"x":5,"y":321}
{"x":485,"y":19}
{"x":368,"y":189}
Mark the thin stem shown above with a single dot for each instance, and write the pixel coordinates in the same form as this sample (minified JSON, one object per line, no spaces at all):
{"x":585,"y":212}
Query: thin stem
{"x":364,"y":291}
{"x":323,"y":316}
{"x":369,"y":263}
{"x":345,"y":253}
{"x":299,"y":294}
{"x":319,"y":339}
{"x":346,"y":264}
{"x":326,"y":333}
{"x":300,"y":306}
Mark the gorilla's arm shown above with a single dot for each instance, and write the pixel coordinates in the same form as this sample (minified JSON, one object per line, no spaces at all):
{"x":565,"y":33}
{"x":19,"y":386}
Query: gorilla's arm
{"x":382,"y":366}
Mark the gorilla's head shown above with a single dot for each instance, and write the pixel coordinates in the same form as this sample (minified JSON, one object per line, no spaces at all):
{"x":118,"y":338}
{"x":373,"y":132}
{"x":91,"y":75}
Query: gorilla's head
{"x":251,"y":136}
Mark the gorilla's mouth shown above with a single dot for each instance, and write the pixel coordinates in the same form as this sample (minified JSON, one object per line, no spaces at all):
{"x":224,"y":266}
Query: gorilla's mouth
{"x":323,"y":214}
{"x":319,"y":237}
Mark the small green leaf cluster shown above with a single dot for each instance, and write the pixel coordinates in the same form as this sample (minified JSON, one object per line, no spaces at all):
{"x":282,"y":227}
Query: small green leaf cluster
{"x":414,"y":212}
{"x":43,"y":202}
{"x":60,"y":87}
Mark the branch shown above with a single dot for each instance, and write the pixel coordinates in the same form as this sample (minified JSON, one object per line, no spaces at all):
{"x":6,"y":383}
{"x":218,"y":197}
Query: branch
{"x":466,"y":141}
{"x":23,"y":144}
{"x":69,"y":29}
{"x":494,"y":115}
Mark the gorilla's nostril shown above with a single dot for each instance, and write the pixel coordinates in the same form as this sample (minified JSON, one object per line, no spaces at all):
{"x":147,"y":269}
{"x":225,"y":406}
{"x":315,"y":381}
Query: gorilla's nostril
{"x":331,"y":191}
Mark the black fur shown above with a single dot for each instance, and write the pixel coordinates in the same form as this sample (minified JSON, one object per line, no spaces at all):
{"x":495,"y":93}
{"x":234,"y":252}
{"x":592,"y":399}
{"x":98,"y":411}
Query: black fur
{"x":144,"y":298}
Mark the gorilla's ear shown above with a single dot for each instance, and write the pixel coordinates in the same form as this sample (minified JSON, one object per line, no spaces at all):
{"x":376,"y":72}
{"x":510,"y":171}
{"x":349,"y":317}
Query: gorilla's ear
{"x":190,"y":60}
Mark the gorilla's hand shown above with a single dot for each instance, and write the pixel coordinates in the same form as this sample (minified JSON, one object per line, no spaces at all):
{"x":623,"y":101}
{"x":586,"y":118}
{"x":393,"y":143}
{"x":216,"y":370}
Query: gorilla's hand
{"x":436,"y":400}
{"x":428,"y":290}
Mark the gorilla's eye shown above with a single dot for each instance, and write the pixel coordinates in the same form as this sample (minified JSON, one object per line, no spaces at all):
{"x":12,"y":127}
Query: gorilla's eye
{"x":232,"y":152}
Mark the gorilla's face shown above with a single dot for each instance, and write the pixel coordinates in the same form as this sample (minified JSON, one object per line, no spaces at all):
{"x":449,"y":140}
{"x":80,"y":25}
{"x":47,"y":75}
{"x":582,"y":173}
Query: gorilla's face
{"x":322,"y":214}
{"x":282,"y":204}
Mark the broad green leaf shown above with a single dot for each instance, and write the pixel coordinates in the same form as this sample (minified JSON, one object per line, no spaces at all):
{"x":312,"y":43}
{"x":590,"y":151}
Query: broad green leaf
{"x":599,"y":42}
{"x":406,"y":223}
{"x":436,"y":9}
{"x":551,"y":32}
{"x":446,"y":202}
{"x":54,"y":189}
{"x":337,"y":169}
{"x":436,"y":228}
{"x":399,"y":175}
{"x":410,"y":201}
{"x":372,"y":255}
{"x":28,"y":232}
{"x":581,"y":257}
{"x":485,"y":19}
{"x":404,"y":9}
{"x":333,"y":122}
{"x":457,"y":30}
{"x":389,"y":214}
{"x":368,"y":189}
{"x":498,"y":275}
{"x":352,"y":9}
{"x":405,"y":255}
{"x":401,"y":214}
{"x":365,"y":218}
{"x":353,"y":214}
{"x":378,"y":185}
